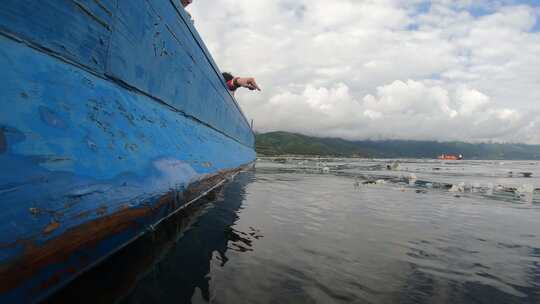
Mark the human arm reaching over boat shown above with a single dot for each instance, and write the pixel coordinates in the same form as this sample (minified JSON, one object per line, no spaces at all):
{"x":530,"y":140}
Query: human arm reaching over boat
{"x":246,"y":82}
{"x":234,"y":83}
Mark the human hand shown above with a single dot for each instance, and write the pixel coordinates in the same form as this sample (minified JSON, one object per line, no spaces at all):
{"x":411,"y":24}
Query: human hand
{"x":247,"y":82}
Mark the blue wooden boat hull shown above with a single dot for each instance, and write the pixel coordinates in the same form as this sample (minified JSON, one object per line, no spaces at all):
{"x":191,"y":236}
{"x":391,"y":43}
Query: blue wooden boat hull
{"x":113,"y":116}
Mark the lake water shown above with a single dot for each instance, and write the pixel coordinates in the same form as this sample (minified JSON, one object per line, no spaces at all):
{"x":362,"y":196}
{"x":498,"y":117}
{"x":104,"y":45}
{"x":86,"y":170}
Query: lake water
{"x":299,"y":230}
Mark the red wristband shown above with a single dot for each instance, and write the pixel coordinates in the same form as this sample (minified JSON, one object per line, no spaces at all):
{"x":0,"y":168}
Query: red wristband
{"x":230,"y":85}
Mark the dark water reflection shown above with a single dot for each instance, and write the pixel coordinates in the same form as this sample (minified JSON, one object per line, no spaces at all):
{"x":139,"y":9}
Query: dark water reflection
{"x":291,"y":233}
{"x":170,"y":264}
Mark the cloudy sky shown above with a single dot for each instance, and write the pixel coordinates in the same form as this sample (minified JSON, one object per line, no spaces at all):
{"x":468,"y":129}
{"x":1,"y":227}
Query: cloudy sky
{"x":399,"y":69}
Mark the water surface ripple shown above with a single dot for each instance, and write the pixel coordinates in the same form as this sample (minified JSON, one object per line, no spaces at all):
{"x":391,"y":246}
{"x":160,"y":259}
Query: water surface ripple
{"x":300,"y":230}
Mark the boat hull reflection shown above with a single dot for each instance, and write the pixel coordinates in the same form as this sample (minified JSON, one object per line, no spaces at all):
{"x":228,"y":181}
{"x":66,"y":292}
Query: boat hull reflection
{"x":173,"y":245}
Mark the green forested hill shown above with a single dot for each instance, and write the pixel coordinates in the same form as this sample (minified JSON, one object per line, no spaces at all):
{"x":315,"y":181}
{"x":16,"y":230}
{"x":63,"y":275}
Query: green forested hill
{"x":278,"y":143}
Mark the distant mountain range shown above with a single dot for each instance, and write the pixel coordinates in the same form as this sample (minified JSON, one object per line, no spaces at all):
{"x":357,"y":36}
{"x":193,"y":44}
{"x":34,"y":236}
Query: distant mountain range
{"x":280,"y":143}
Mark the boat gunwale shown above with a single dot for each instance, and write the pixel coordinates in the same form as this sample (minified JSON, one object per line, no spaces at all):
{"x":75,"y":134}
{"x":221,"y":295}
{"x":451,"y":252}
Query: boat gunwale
{"x":208,"y":57}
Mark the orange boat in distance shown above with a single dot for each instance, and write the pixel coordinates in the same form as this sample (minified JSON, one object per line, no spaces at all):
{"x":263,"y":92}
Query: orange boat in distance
{"x":450,"y":157}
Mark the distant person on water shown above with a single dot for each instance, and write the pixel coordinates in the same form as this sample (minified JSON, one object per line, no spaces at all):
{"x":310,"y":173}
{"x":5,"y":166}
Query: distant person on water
{"x":234,"y":83}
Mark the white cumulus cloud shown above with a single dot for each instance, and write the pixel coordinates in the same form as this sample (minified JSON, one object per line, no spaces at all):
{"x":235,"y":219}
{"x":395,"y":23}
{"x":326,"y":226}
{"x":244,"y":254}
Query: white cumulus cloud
{"x":443,"y":70}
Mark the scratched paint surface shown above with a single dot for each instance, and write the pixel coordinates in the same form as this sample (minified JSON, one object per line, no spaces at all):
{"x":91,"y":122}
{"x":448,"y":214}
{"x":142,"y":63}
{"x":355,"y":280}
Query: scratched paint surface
{"x":89,"y":130}
{"x":149,"y":51}
{"x":68,"y":27}
{"x":149,"y":45}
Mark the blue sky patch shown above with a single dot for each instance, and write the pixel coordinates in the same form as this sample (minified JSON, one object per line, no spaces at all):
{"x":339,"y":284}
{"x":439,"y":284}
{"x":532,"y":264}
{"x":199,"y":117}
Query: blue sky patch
{"x":413,"y":27}
{"x":423,"y":7}
{"x":536,"y":27}
{"x":479,"y":11}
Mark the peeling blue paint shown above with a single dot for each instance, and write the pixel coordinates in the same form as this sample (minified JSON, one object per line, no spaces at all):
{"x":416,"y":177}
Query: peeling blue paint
{"x":106,"y":106}
{"x":58,"y":26}
{"x":50,"y":118}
